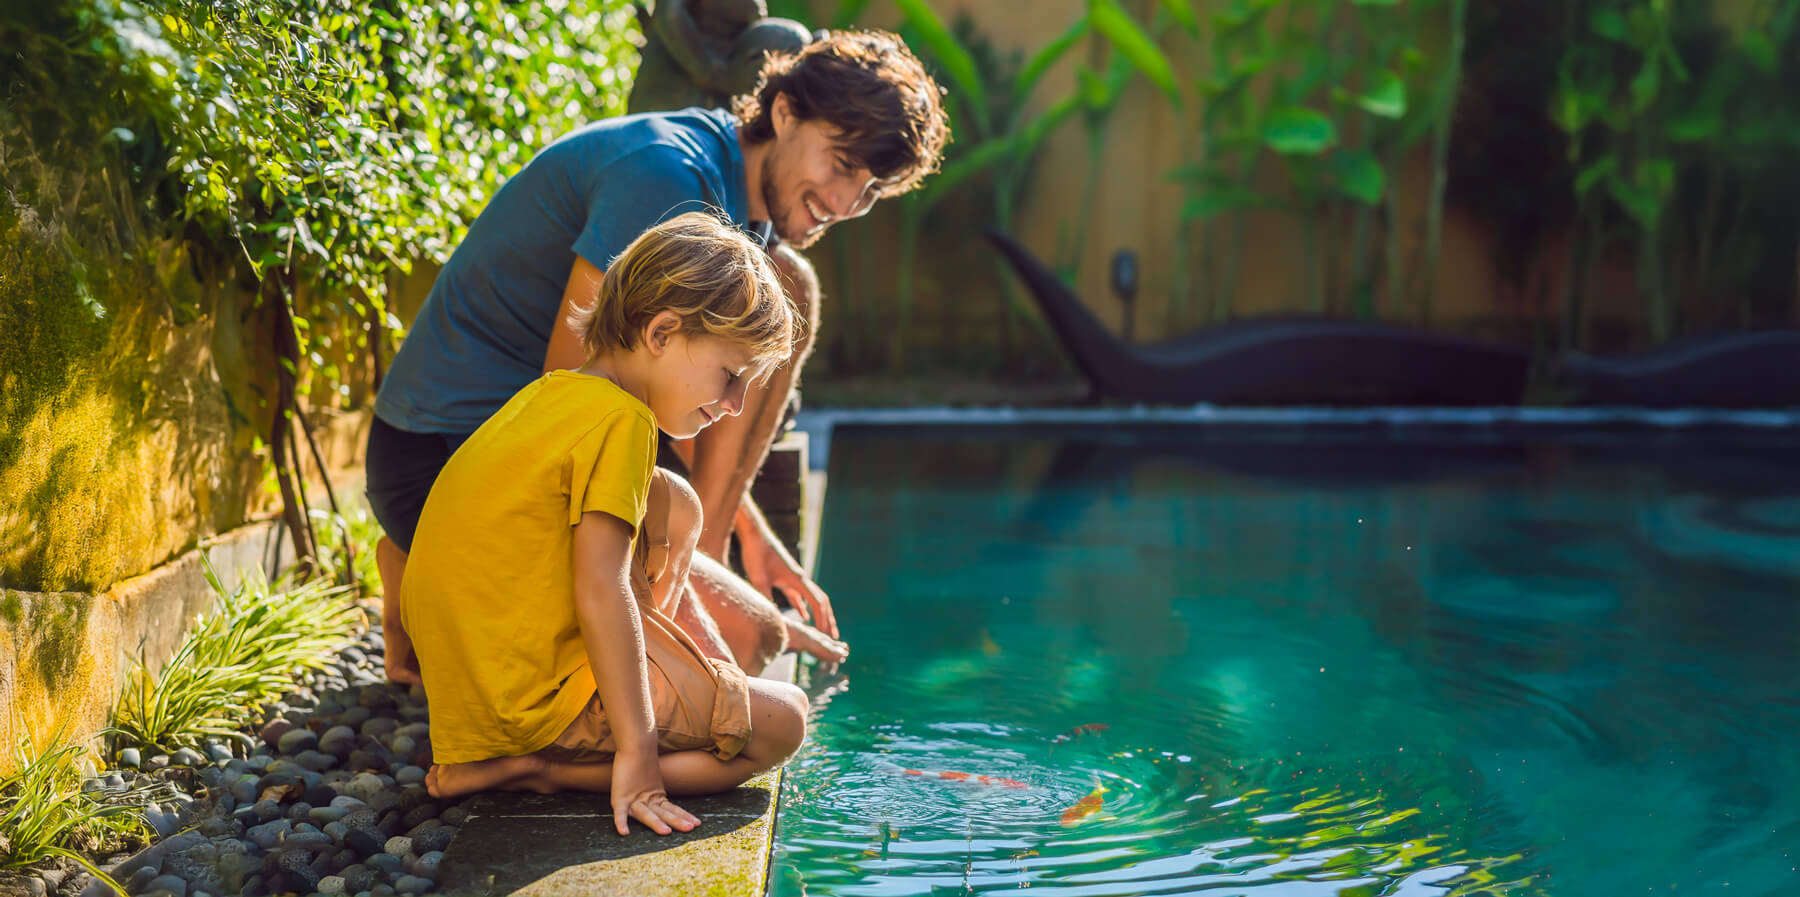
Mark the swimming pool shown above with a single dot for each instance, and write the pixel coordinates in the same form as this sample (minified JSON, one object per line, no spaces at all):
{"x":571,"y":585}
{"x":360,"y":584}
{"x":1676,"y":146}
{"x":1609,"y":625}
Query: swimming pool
{"x":1341,"y":661}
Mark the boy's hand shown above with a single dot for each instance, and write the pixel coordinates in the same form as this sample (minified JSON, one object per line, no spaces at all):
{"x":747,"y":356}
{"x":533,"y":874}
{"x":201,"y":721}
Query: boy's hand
{"x":637,"y":793}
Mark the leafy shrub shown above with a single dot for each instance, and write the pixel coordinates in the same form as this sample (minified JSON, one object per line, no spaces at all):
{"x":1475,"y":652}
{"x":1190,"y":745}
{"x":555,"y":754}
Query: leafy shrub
{"x":46,"y":813}
{"x":247,"y":652}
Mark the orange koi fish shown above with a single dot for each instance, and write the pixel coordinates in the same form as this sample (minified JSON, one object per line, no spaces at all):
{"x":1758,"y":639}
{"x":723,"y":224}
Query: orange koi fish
{"x":1085,"y":807}
{"x":1078,"y":731}
{"x":951,"y":776}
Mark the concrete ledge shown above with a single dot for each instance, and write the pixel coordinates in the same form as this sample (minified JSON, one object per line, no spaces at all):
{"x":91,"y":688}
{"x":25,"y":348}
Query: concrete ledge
{"x":564,"y":845}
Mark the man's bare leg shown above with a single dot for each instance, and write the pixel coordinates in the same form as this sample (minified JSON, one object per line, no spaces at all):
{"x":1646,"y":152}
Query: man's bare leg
{"x":402,"y":665}
{"x":750,"y":624}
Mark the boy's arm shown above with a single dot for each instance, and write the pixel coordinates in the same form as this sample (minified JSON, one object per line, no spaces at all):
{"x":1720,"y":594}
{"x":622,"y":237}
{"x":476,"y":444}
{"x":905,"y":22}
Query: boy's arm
{"x":613,"y":635}
{"x":564,"y":351}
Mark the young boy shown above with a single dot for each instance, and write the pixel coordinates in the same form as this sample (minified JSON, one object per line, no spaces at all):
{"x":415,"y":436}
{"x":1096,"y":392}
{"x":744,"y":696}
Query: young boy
{"x":544,"y":672}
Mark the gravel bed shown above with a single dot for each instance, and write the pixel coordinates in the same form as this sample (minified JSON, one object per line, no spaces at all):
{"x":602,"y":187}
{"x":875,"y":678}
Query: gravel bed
{"x":329,"y":799}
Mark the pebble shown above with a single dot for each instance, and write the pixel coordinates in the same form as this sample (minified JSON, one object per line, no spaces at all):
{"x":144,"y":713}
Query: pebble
{"x":113,"y":779}
{"x":272,"y":731}
{"x":381,"y":891}
{"x":219,"y":753}
{"x":140,"y":879}
{"x":347,"y":803}
{"x":358,"y":878}
{"x":412,"y":884}
{"x":404,"y":745}
{"x":159,"y":761}
{"x":384,"y":801}
{"x":187,"y":757}
{"x":456,"y":815}
{"x":268,"y":835}
{"x":436,"y":839}
{"x":337,"y":831}
{"x":380,"y":727}
{"x":296,"y":740}
{"x":170,"y":883}
{"x":409,"y":775}
{"x":399,"y":846}
{"x":315,"y":761}
{"x":338,"y":741}
{"x":130,"y":758}
{"x":384,"y":862}
{"x":331,"y":885}
{"x":34,"y":886}
{"x":363,"y":786}
{"x":419,"y":815}
{"x":164,"y":823}
{"x":355,"y":716}
{"x":427,"y":866}
{"x":326,"y":815}
{"x":307,"y":841}
{"x":244,"y":789}
{"x":267,"y":809}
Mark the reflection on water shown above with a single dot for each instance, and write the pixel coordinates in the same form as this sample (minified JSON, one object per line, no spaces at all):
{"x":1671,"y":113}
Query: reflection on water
{"x":1344,"y":667}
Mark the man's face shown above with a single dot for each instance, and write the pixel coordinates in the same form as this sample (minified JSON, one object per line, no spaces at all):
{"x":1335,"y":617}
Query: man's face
{"x":809,"y":181}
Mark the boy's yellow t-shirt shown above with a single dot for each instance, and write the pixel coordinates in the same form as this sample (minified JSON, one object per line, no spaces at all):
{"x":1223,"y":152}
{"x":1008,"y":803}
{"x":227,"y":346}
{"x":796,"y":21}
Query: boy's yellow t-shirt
{"x":488,"y":597}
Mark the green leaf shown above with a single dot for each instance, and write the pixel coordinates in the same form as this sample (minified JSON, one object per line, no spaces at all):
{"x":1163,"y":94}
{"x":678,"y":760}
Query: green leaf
{"x":1359,"y":175}
{"x":1608,"y":23}
{"x":1047,"y":57}
{"x":1645,"y":86}
{"x":1217,"y":202}
{"x":961,"y":169}
{"x":1297,"y":130}
{"x":1696,"y":124}
{"x":1760,"y":50}
{"x":1638,"y":202}
{"x":1183,"y":13}
{"x":1593,"y":174}
{"x":1111,"y":20}
{"x":959,"y":65}
{"x":1386,"y":96}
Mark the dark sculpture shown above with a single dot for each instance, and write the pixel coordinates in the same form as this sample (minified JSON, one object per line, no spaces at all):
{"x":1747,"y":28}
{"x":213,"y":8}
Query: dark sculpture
{"x":1750,"y":369}
{"x":704,"y":52}
{"x":1275,"y":360}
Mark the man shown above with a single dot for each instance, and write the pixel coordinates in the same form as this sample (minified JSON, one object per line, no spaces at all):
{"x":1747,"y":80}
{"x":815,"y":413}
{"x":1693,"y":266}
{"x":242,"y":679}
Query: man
{"x":851,"y":118}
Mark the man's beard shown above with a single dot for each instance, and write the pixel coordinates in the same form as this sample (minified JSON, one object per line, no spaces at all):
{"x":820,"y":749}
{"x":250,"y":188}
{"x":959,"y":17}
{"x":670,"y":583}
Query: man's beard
{"x":780,"y":214}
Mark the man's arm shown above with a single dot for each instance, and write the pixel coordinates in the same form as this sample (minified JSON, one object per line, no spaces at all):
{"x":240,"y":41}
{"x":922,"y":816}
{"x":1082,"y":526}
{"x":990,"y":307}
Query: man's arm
{"x":613,"y":635}
{"x":564,"y":351}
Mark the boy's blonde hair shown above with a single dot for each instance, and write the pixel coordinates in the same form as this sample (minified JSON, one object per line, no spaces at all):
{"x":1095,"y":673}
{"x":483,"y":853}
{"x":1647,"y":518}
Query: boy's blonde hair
{"x":711,"y":274}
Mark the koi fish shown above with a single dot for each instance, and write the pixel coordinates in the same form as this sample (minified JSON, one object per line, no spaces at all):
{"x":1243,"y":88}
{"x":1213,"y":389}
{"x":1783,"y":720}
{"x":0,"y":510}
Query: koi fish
{"x":1085,"y":807}
{"x":951,"y":776}
{"x":1078,"y":731}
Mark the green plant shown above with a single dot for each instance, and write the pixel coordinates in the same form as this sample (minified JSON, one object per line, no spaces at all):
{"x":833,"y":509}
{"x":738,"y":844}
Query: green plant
{"x":995,"y":135}
{"x":248,"y":651}
{"x":46,"y":813}
{"x":348,"y":548}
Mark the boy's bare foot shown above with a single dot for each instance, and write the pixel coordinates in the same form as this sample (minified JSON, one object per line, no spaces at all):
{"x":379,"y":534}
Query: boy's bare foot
{"x":828,"y":650}
{"x":457,"y":779}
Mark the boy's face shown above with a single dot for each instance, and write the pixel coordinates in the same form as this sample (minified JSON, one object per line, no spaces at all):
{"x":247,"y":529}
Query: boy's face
{"x":700,"y":379}
{"x":808,"y":181}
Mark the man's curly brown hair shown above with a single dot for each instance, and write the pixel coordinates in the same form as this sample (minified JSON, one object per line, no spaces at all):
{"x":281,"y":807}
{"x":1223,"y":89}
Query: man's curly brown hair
{"x":889,"y":113}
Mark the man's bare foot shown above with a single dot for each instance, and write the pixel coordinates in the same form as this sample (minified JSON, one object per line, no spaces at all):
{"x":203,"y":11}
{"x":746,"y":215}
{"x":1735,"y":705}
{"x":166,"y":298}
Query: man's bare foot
{"x":457,"y":779}
{"x":828,"y":650}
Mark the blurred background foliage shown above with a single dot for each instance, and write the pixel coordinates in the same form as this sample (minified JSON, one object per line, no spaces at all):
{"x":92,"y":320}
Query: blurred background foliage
{"x":1629,"y":147}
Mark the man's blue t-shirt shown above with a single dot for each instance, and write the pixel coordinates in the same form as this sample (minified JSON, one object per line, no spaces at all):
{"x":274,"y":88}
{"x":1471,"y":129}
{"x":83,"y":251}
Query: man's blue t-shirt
{"x":483,"y":331}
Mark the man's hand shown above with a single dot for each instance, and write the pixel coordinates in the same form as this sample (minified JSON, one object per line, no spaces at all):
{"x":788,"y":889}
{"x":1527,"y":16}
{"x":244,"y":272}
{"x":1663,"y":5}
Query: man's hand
{"x":768,"y":566}
{"x":637,"y":793}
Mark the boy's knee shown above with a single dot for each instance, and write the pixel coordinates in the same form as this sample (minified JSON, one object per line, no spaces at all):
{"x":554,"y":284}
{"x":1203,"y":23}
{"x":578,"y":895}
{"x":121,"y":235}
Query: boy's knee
{"x":685,"y":512}
{"x":781,"y":721}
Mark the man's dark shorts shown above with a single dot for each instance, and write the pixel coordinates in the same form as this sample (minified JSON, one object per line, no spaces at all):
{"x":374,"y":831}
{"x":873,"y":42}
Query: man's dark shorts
{"x":401,"y":467}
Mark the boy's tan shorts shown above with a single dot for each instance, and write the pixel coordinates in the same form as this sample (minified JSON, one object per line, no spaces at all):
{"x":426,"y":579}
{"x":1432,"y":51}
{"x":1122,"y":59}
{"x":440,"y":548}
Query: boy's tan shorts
{"x":700,"y":703}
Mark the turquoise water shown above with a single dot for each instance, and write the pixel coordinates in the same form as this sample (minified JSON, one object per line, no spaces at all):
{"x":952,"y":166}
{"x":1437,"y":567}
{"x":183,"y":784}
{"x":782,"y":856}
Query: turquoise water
{"x":1352,"y":664}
